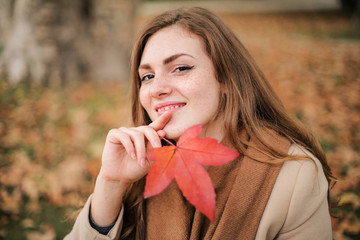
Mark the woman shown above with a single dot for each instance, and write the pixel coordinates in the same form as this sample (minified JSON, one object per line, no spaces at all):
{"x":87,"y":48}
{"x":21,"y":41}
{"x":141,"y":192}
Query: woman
{"x":188,"y":68}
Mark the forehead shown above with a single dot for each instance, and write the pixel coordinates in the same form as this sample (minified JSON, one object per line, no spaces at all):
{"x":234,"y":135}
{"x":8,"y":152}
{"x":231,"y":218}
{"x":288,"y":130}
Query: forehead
{"x":172,"y":40}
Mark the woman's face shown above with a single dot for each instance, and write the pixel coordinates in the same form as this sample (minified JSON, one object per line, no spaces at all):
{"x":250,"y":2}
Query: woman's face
{"x":177,"y":75}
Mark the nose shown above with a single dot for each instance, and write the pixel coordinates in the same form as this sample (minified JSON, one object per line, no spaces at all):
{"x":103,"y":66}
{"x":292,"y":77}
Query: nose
{"x":160,"y":87}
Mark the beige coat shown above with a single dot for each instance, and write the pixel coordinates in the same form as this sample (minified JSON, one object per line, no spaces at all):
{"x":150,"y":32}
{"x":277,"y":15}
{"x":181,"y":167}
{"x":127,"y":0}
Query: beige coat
{"x":297,"y":207}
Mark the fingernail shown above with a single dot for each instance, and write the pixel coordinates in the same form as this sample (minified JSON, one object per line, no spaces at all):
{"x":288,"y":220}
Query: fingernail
{"x":142,"y":162}
{"x":156,"y":144}
{"x":132,"y":155}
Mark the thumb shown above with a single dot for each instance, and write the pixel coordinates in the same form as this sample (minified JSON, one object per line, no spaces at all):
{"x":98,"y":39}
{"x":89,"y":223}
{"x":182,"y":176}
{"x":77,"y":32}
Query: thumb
{"x":161,"y":121}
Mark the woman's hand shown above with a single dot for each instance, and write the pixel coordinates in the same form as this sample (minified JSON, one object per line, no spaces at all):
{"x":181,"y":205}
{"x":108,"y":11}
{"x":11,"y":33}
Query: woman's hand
{"x":124,"y":155}
{"x":123,"y":162}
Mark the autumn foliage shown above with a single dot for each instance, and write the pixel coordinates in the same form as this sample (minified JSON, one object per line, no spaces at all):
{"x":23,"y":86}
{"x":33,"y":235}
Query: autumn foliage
{"x":51,"y":138}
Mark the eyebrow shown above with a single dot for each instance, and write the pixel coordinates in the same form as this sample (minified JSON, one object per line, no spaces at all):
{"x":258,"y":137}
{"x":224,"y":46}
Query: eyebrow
{"x":166,"y":60}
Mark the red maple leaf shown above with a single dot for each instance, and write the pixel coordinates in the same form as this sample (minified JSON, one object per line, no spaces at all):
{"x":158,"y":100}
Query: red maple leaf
{"x":184,"y":163}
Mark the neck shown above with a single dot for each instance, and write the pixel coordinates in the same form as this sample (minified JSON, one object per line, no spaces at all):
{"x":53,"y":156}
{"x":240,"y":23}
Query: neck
{"x":215,"y":130}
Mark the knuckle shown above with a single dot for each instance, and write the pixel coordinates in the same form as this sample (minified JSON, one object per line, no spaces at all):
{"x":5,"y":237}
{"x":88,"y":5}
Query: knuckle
{"x":112,"y":132}
{"x":143,"y":128}
{"x":149,"y":131}
{"x":122,"y":128}
{"x":128,"y":145}
{"x":111,"y":135}
{"x":137,"y":134}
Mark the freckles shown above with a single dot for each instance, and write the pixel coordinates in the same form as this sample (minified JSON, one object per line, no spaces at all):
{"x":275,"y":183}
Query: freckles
{"x":143,"y":97}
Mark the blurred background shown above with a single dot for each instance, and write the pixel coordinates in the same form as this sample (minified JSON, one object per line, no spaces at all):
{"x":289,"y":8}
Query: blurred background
{"x":64,"y":80}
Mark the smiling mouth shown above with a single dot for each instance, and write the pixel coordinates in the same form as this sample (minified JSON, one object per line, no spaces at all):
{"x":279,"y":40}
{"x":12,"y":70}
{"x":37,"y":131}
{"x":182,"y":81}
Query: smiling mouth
{"x":172,"y":107}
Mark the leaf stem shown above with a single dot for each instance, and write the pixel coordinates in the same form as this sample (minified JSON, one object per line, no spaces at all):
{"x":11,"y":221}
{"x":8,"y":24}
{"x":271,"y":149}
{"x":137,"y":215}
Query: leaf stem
{"x":168,"y":141}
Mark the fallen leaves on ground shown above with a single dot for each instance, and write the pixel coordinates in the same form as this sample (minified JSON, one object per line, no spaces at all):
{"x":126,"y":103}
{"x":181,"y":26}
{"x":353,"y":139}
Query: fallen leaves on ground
{"x":310,"y":59}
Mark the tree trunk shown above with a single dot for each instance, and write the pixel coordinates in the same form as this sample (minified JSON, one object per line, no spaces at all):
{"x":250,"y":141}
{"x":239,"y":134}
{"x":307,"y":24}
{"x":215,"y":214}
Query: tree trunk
{"x":356,"y":19}
{"x":65,"y":40}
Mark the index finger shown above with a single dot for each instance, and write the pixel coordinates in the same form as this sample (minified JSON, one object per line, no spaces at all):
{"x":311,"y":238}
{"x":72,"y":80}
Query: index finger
{"x":161,"y":121}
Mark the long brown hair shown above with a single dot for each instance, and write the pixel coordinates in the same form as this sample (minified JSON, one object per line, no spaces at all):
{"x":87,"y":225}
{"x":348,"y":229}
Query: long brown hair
{"x":248,"y":102}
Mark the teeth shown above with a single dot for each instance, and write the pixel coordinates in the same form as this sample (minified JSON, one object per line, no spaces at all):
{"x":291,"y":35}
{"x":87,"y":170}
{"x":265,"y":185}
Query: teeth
{"x":168,"y":108}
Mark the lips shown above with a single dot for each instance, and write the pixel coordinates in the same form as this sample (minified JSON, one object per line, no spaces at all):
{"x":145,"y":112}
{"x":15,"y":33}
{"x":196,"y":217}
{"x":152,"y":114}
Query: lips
{"x":161,"y":108}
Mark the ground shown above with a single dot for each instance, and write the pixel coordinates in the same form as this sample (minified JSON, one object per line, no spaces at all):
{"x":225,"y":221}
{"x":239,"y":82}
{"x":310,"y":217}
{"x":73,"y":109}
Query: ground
{"x":51,"y":138}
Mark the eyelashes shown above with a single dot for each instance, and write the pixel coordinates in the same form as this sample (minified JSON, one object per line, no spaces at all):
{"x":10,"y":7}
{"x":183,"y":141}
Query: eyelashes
{"x":146,"y":77}
{"x":183,"y":68}
{"x":178,"y":70}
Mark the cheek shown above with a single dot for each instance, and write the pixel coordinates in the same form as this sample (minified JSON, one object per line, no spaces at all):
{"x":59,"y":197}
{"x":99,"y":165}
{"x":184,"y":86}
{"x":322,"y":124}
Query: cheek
{"x":208,"y":91}
{"x":212,"y":99}
{"x":144,"y":100}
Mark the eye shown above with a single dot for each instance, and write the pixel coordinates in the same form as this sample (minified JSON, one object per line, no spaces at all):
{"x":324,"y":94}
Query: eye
{"x":183,"y":68}
{"x":147,"y":77}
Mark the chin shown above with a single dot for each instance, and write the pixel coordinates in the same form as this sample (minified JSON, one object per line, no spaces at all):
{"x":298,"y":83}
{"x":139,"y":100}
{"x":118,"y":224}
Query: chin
{"x":173,"y":135}
{"x":173,"y":132}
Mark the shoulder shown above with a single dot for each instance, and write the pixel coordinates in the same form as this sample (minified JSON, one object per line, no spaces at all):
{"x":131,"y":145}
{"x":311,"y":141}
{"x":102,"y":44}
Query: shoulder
{"x":298,"y":200}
